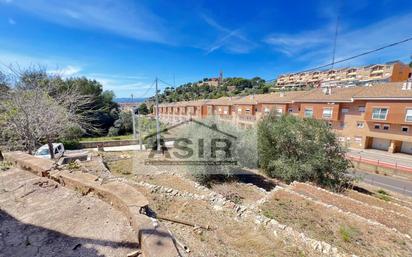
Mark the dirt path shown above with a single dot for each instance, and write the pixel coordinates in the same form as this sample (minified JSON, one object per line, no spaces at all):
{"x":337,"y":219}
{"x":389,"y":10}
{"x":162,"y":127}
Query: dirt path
{"x":40,"y":218}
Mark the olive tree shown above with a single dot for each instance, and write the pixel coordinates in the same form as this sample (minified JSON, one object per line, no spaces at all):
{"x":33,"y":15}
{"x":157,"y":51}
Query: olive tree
{"x":291,"y":148}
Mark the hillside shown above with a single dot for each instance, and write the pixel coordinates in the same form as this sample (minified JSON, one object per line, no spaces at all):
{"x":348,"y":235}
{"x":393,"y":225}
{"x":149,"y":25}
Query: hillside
{"x":209,"y":89}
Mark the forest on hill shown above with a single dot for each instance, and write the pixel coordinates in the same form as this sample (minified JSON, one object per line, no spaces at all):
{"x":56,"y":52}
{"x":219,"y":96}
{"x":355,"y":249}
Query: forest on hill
{"x":205,"y":89}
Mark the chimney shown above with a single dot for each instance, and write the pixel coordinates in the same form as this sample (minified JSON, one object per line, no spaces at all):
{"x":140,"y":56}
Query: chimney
{"x":327,"y":90}
{"x":407,"y":85}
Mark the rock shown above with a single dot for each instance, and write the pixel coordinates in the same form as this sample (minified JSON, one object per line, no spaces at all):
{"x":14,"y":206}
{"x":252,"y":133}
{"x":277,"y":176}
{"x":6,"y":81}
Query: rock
{"x":281,"y":226}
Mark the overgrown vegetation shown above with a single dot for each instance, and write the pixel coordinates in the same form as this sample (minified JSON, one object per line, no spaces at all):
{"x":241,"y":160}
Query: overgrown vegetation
{"x":291,"y":148}
{"x":37,"y":107}
{"x":203,"y":89}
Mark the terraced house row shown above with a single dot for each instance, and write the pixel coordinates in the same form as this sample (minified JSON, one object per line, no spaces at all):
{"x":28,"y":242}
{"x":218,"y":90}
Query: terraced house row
{"x":378,"y":116}
{"x":378,"y":73}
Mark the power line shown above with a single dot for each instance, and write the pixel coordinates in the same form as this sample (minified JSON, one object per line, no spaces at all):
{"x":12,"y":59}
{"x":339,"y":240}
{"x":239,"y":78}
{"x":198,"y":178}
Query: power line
{"x":356,"y":56}
{"x":147,"y":91}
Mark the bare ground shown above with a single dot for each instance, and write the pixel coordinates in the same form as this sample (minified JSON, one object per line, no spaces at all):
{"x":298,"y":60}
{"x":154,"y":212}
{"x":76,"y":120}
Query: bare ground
{"x":40,"y":218}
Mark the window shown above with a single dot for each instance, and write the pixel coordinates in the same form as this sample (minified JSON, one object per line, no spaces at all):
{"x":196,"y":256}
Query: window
{"x":327,"y":113}
{"x":247,"y":111}
{"x":361,"y":109}
{"x":377,"y":126}
{"x":408,"y":116}
{"x":386,"y":127}
{"x":345,"y":110}
{"x":308,"y":113}
{"x":405,"y":129}
{"x":267,"y":110}
{"x":379,"y":113}
{"x":239,"y":110}
{"x":279,"y":111}
{"x":290,"y":110}
{"x":360,"y":124}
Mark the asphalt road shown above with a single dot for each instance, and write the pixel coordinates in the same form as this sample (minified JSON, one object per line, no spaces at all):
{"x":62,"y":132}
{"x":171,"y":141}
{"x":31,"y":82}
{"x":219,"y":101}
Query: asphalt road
{"x":399,"y":185}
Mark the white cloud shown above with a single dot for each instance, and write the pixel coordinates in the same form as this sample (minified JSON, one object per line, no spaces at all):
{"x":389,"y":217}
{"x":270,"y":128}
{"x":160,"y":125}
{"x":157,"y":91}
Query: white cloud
{"x":230,"y":40}
{"x":123,"y":86}
{"x":315,"y":47}
{"x":67,"y":71}
{"x":127,"y":18}
{"x":12,"y":21}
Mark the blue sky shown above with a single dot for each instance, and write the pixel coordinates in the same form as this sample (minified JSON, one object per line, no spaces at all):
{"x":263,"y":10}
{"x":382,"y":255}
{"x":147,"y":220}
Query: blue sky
{"x":126,"y":44}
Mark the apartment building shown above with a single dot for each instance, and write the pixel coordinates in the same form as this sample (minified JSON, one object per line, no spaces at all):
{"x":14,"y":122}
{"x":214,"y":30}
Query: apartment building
{"x":378,"y":116}
{"x":355,"y":76}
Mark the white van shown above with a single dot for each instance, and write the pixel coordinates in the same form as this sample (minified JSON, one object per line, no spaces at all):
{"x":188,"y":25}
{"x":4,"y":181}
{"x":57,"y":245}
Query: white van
{"x":43,"y":152}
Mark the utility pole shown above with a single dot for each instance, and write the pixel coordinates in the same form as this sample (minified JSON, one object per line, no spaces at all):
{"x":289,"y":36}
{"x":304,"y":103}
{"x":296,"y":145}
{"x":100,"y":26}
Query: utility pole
{"x":139,"y":126}
{"x":157,"y":119}
{"x":134,"y":124}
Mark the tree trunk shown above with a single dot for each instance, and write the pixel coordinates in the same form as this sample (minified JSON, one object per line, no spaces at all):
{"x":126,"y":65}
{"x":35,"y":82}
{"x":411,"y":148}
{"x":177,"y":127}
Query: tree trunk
{"x":51,"y":150}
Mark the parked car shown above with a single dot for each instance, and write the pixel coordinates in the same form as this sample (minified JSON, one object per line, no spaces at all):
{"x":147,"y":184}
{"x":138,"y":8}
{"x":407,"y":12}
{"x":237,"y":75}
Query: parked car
{"x":43,"y":152}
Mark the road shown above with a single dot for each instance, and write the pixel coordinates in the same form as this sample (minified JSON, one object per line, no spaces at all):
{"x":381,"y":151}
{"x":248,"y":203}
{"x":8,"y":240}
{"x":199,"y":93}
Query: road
{"x":399,"y":185}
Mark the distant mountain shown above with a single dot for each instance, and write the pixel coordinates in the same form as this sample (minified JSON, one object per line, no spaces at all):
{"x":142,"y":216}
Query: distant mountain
{"x":129,"y":100}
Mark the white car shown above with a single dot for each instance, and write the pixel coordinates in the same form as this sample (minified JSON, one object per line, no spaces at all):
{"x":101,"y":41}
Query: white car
{"x":43,"y":152}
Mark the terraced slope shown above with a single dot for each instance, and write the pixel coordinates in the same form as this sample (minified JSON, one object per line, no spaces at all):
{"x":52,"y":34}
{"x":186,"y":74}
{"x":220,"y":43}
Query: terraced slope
{"x":386,"y":217}
{"x":324,"y":223}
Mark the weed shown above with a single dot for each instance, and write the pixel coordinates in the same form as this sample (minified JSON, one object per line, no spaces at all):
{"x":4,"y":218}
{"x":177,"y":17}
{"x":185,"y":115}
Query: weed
{"x":383,"y":195}
{"x":5,"y":165}
{"x":347,"y":233}
{"x":73,"y":166}
{"x":268,"y":214}
{"x":383,"y":192}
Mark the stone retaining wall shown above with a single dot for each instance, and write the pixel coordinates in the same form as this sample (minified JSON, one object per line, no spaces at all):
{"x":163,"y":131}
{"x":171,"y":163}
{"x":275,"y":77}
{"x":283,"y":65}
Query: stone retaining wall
{"x":108,"y":143}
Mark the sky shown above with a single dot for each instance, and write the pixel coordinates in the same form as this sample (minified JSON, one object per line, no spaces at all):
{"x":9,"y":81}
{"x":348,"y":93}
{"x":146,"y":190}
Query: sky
{"x":126,"y":44}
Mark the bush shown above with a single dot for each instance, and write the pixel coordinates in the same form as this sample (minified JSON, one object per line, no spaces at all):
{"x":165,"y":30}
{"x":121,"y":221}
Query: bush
{"x":291,"y":148}
{"x":113,"y":132}
{"x":71,"y":144}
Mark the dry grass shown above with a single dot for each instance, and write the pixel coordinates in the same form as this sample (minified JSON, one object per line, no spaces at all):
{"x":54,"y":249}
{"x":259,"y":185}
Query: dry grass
{"x":336,"y":228}
{"x":371,"y":200}
{"x":227,"y":237}
{"x":239,"y":193}
{"x":390,"y":219}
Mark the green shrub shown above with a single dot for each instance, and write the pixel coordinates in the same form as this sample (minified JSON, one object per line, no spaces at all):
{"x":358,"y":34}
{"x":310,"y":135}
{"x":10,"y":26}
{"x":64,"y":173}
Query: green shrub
{"x":4,"y":165}
{"x":348,"y":233}
{"x":113,"y":132}
{"x":383,"y":195}
{"x":73,"y":166}
{"x":291,"y":148}
{"x":71,"y":144}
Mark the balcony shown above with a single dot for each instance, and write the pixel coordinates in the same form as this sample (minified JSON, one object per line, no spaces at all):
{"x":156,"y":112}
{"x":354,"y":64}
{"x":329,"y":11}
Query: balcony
{"x":250,"y":118}
{"x":225,"y":117}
